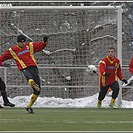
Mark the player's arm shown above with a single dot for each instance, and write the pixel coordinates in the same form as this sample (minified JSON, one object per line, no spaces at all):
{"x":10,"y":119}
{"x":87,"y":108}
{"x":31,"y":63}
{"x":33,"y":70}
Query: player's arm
{"x":5,"y":56}
{"x":1,"y":63}
{"x":38,"y":46}
{"x":5,"y":64}
{"x":102,"y":69}
{"x":119,"y":74}
{"x":131,"y":66}
{"x":45,"y":39}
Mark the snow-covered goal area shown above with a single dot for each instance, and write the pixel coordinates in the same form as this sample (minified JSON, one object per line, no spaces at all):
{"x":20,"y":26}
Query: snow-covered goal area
{"x":79,"y":36}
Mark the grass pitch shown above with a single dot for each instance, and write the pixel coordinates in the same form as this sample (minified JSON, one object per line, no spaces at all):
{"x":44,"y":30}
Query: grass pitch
{"x":66,"y":119}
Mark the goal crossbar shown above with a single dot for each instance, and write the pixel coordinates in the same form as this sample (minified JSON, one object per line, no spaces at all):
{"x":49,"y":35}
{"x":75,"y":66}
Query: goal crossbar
{"x":61,"y":7}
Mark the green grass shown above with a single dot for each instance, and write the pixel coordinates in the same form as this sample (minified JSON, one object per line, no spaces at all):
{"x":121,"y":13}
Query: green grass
{"x":66,"y":119}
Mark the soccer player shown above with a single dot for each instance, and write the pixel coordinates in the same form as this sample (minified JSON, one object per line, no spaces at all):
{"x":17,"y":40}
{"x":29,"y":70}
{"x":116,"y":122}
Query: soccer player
{"x":110,"y":71}
{"x":131,"y":66}
{"x":131,"y":71}
{"x":4,"y":93}
{"x":23,"y":54}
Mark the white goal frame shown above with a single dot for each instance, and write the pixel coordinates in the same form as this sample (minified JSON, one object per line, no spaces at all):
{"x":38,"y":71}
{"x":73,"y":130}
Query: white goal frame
{"x":119,"y":26}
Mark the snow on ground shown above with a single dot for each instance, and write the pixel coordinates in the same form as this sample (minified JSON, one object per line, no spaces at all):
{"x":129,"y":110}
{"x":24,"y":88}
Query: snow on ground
{"x":52,"y":102}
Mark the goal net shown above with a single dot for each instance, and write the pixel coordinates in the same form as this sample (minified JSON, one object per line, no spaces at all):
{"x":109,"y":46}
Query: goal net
{"x":78,"y":36}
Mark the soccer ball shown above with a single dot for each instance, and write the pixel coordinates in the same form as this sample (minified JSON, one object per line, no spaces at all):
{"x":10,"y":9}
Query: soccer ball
{"x":91,"y":69}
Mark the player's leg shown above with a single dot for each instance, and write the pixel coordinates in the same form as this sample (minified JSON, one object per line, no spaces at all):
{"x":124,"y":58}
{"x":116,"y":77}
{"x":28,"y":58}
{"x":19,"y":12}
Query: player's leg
{"x":34,"y":95}
{"x":4,"y":94}
{"x":101,"y":96}
{"x":34,"y":81}
{"x":115,"y":90}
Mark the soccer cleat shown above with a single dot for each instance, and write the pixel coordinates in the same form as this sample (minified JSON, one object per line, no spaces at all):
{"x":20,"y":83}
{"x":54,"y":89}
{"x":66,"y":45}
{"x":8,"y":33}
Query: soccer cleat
{"x":99,"y":105}
{"x":9,"y":104}
{"x":112,"y":105}
{"x":1,"y":106}
{"x":30,"y":110}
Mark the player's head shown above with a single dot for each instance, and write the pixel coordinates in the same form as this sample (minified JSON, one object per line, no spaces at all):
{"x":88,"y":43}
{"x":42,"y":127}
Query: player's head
{"x":111,"y":52}
{"x":21,"y":39}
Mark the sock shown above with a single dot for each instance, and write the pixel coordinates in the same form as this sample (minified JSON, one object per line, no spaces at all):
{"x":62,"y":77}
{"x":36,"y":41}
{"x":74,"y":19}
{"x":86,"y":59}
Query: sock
{"x":112,"y":100}
{"x":32,"y":83}
{"x":4,"y":95}
{"x":99,"y":102}
{"x":32,"y":100}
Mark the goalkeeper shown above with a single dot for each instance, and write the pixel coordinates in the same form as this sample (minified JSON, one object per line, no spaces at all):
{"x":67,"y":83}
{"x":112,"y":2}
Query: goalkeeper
{"x":4,"y":93}
{"x":110,"y":71}
{"x":23,"y":54}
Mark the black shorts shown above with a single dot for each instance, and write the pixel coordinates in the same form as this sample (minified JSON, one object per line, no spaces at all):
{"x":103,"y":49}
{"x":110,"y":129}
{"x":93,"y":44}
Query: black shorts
{"x":32,"y":72}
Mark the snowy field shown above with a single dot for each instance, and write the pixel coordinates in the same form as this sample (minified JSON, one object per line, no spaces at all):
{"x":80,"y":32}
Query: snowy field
{"x":52,"y":102}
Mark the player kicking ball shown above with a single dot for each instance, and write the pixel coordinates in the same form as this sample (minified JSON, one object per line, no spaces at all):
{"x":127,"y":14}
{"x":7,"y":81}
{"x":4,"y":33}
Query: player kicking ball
{"x":23,"y":54}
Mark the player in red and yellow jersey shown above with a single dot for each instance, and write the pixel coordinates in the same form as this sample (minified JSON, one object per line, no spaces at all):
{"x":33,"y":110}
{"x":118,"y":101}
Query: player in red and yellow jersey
{"x":110,"y":71}
{"x":23,"y":54}
{"x":131,"y":66}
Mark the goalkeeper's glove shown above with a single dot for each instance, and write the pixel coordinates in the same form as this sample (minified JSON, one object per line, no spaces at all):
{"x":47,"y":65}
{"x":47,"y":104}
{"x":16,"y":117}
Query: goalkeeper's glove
{"x":125,"y":81}
{"x":45,"y":39}
{"x":6,"y":65}
{"x":107,"y":74}
{"x":94,"y":71}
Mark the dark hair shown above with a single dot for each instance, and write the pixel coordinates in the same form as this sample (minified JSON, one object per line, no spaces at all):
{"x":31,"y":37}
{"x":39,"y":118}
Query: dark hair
{"x":21,"y":38}
{"x":111,"y":48}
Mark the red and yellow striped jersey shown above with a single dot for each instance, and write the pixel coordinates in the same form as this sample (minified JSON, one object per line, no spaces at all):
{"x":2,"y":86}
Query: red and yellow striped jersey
{"x":131,"y":66}
{"x":24,"y":57}
{"x":111,"y":66}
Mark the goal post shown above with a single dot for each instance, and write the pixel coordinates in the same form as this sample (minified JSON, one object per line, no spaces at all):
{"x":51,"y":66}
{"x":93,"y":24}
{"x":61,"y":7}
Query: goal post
{"x":119,"y":51}
{"x":78,"y":36}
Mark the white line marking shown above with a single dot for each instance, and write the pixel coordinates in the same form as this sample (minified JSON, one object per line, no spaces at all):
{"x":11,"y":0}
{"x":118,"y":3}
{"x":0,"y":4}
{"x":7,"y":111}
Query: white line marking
{"x":46,"y":121}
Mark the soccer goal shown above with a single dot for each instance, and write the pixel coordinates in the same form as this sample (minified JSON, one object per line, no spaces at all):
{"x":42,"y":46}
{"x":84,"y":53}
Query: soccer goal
{"x":78,"y":36}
